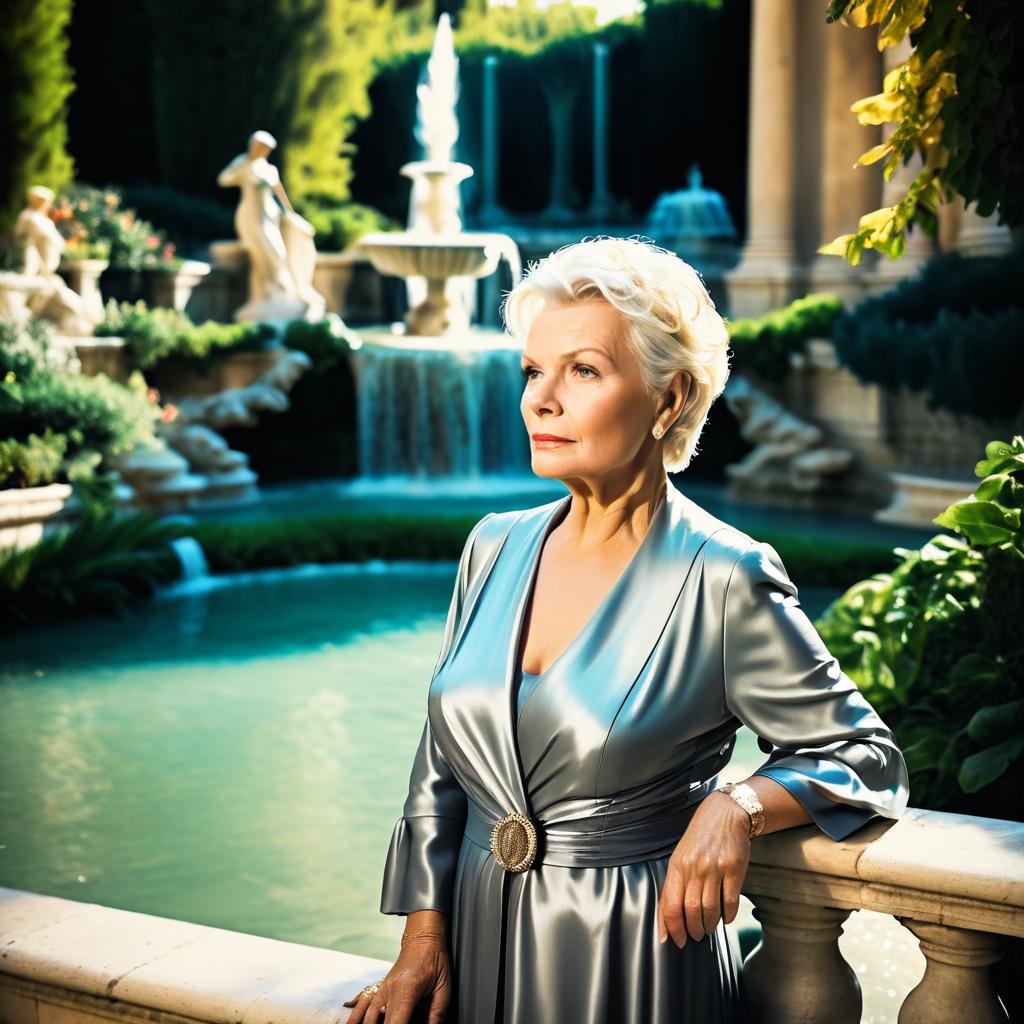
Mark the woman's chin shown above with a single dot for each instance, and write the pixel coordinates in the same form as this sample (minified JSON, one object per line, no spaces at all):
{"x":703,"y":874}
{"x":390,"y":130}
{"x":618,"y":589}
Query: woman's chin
{"x":552,"y":469}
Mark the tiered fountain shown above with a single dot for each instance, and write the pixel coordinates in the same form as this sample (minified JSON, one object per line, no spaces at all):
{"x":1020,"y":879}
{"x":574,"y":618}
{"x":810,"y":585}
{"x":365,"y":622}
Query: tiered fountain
{"x":439,"y":396}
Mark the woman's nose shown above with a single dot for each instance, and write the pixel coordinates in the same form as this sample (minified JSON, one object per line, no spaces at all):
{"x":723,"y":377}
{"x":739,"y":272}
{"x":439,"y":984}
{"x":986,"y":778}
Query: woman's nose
{"x":542,"y":394}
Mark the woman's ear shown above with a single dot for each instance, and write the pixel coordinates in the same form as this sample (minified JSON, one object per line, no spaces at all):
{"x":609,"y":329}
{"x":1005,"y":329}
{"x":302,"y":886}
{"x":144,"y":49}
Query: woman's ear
{"x":677,"y":393}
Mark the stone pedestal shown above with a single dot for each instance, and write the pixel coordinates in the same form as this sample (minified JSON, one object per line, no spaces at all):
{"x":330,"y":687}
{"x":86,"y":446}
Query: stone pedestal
{"x":83,"y":276}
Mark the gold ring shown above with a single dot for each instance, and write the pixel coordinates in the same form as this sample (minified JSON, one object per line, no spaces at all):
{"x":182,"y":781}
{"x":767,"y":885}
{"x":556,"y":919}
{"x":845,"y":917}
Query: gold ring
{"x":514,"y":841}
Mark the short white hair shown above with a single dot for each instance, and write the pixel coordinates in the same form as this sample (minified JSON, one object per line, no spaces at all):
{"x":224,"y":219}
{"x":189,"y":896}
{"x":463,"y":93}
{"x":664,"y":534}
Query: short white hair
{"x":672,"y":322}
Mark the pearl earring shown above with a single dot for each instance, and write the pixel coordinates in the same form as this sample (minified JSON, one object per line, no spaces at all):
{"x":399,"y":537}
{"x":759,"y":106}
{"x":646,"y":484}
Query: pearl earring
{"x":657,"y":432}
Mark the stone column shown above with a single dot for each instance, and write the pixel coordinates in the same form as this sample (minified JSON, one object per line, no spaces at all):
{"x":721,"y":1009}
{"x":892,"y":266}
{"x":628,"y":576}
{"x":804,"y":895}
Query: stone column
{"x":853,"y":70}
{"x":920,"y":247}
{"x":600,"y":199}
{"x":765,"y":276}
{"x":490,"y":211}
{"x":560,"y":99}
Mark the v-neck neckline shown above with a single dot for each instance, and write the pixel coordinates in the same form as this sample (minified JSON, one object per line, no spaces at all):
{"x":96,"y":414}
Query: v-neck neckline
{"x":535,"y":556}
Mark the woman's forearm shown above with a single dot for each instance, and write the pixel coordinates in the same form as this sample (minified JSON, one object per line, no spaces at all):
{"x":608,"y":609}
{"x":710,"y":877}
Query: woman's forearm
{"x":781,"y":808}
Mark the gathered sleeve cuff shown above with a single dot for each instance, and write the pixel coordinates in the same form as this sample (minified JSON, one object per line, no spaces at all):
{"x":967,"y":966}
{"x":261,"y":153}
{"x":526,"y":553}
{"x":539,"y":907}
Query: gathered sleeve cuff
{"x":828,"y":746}
{"x":419,"y":871}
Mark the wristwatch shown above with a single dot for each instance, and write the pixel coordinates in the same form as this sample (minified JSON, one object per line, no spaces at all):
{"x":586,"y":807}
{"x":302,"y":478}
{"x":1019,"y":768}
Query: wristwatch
{"x":745,"y":796}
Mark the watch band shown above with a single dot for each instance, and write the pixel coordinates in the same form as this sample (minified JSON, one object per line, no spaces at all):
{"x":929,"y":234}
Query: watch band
{"x":745,"y":796}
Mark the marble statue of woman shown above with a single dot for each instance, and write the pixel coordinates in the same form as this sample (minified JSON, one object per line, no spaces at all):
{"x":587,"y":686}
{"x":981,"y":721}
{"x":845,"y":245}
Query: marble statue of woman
{"x":282,"y":255}
{"x":48,"y":295}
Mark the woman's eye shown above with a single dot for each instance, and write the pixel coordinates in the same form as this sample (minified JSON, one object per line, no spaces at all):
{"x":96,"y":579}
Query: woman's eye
{"x":588,"y":372}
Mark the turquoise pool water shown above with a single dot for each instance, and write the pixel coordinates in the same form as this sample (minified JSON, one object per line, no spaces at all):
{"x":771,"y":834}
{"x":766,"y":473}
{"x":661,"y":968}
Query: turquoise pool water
{"x":237,"y":755}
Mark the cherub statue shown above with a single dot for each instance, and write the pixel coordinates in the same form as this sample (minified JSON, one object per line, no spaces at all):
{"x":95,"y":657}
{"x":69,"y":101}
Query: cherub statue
{"x":49,"y":296}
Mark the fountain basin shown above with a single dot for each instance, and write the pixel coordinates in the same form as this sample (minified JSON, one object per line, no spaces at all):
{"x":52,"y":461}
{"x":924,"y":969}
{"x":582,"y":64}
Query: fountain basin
{"x":410,"y":254}
{"x":437,"y":258}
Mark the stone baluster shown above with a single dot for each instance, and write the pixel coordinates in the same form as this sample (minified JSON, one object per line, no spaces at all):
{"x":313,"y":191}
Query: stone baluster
{"x":797,"y":975}
{"x":956,"y":987}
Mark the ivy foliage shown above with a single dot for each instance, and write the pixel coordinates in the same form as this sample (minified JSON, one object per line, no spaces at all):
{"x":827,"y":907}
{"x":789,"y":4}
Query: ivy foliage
{"x":958,"y":101}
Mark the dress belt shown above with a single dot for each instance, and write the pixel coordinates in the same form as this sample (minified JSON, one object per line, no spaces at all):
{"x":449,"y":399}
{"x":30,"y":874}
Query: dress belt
{"x":608,"y":836}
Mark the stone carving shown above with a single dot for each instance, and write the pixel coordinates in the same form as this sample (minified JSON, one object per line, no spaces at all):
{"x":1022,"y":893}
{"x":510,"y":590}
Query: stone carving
{"x":240,"y":406}
{"x":39,"y":289}
{"x":282,"y":254}
{"x":790,"y":453}
{"x":191,"y":462}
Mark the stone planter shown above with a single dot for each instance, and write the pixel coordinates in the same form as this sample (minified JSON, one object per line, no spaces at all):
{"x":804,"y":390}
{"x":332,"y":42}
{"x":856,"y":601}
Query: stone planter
{"x":99,"y":355}
{"x":332,"y":277}
{"x":237,"y":371}
{"x":348,"y":282}
{"x":83,"y":276}
{"x":124,"y":284}
{"x":172,"y":289}
{"x":27,"y":514}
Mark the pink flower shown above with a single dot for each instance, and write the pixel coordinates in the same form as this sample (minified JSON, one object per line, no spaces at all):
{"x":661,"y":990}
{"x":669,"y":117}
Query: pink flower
{"x":152,"y":242}
{"x":110,"y":199}
{"x":152,"y":394}
{"x":169,"y":413}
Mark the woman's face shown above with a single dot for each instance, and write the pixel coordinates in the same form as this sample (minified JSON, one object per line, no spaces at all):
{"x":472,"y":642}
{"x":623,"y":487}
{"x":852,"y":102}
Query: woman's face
{"x":583,"y":385}
{"x":258,"y":149}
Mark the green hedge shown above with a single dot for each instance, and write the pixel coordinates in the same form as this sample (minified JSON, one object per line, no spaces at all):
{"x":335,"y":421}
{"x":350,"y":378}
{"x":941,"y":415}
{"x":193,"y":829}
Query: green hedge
{"x":162,"y":336}
{"x":953,"y":331}
{"x":763,"y":345}
{"x":351,"y":537}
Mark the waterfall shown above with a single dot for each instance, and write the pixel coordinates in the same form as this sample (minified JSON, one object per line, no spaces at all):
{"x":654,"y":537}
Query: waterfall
{"x":192,"y":557}
{"x":430,"y":413}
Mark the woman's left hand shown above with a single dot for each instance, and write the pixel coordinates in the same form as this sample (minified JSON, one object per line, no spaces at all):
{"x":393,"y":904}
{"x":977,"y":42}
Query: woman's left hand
{"x":705,"y":871}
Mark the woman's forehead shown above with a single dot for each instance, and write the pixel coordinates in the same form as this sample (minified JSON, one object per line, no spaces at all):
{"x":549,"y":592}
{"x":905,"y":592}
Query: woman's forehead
{"x":564,"y":326}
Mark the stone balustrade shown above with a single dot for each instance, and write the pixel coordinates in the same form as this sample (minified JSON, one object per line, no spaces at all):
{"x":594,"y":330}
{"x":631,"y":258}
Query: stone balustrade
{"x":955,"y":881}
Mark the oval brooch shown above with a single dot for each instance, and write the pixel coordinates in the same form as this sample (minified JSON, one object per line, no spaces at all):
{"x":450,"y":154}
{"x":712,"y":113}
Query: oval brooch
{"x":514,"y":842}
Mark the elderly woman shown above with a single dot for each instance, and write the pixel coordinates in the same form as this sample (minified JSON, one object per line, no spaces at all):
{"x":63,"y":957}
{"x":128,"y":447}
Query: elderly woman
{"x":564,"y":817}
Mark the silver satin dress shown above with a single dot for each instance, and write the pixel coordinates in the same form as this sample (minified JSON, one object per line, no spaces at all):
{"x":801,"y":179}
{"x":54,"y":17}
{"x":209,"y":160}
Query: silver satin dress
{"x":609,"y":752}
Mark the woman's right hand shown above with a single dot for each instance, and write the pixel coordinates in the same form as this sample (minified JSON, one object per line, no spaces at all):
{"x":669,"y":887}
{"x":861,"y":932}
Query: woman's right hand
{"x":422,"y":973}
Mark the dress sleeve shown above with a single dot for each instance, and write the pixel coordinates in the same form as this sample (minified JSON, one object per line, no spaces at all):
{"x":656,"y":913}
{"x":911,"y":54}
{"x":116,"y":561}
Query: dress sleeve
{"x":831,"y":749}
{"x":419,"y":871}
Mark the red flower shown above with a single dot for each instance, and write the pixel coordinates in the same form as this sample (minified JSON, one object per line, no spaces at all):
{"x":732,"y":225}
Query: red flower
{"x":170,"y":412}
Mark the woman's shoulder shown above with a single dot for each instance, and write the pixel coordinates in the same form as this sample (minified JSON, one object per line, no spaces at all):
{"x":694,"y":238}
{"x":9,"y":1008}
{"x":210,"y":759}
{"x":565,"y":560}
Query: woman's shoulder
{"x":725,"y":545}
